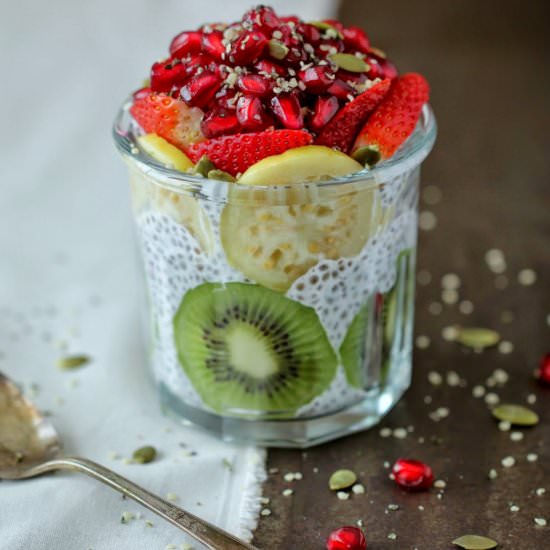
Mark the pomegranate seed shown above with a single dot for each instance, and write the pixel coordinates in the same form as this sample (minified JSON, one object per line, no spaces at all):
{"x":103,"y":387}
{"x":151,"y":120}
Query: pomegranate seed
{"x":142,"y":93}
{"x":381,"y":68}
{"x":251,"y":114}
{"x":193,"y":62}
{"x":248,"y":48}
{"x":356,"y":39}
{"x":262,"y":18}
{"x":341,"y":89}
{"x":213,"y":46}
{"x":325,"y":108}
{"x":254,"y":84}
{"x":412,"y":474}
{"x":270,"y":68}
{"x":317,"y":79}
{"x":164,"y":75}
{"x":335,"y":23}
{"x":287,"y":109}
{"x":220,"y":122}
{"x":356,"y":78}
{"x":347,"y":538}
{"x":201,"y":89}
{"x":225,"y":98}
{"x":310,"y":33}
{"x":543,"y":373}
{"x":186,"y":42}
{"x":290,"y":19}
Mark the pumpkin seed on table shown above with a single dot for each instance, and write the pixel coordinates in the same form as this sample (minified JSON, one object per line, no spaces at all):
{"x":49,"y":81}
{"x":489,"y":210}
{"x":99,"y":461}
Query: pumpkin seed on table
{"x":73,"y":362}
{"x":342,"y":479}
{"x":477,"y":338}
{"x":475,"y":542}
{"x":144,"y":455}
{"x":517,"y":415}
{"x":349,"y":62}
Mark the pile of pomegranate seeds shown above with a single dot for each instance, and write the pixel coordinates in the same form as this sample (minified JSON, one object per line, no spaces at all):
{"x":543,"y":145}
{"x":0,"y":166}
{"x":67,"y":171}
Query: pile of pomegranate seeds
{"x":347,"y":538}
{"x":269,"y":71}
{"x":412,"y":475}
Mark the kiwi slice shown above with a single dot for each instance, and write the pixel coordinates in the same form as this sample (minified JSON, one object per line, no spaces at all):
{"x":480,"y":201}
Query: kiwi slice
{"x":352,"y":350}
{"x":248,"y":350}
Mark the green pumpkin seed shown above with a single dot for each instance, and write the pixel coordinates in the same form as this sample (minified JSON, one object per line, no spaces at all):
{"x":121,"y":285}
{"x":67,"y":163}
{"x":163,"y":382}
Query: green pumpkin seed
{"x":323,"y":27}
{"x":478,"y":338}
{"x":349,"y":62}
{"x":144,"y":455}
{"x":378,"y":52}
{"x":277,"y":49}
{"x":517,"y":415}
{"x":203,"y":166}
{"x":367,"y":156}
{"x":342,"y":479}
{"x":73,"y":362}
{"x":220,"y":175}
{"x":475,"y":542}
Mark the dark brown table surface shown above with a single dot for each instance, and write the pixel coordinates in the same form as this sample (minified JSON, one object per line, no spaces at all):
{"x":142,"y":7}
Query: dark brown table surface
{"x":487,"y":62}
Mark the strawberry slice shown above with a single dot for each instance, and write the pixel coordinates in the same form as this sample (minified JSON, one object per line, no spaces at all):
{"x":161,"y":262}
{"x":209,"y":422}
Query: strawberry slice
{"x":234,"y":154}
{"x":394,"y":121}
{"x":340,"y":132}
{"x":169,"y":118}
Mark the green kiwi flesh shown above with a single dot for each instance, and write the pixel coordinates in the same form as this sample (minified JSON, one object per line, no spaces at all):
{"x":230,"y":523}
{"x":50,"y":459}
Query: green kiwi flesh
{"x":249,"y":350}
{"x":352,"y":350}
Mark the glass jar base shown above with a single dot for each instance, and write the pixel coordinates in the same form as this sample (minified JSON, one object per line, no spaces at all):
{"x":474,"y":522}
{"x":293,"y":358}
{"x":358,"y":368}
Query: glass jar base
{"x":298,"y":433}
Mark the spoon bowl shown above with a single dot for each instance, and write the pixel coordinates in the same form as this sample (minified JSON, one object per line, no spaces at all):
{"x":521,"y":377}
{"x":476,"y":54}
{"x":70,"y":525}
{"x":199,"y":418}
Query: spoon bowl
{"x":30,"y":446}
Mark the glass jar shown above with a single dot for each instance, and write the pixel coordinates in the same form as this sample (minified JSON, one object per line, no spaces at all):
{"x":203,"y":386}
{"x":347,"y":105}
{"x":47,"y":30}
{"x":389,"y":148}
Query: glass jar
{"x":279,"y":315}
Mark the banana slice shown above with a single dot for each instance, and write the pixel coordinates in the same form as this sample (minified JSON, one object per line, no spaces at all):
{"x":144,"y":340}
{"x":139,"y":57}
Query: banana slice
{"x":181,"y":207}
{"x":275,"y":244}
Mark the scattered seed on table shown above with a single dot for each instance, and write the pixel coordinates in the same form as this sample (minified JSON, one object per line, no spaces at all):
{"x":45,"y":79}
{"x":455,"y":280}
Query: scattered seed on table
{"x":508,"y":461}
{"x":431,"y":195}
{"x":466,"y":307}
{"x":287,"y":492}
{"x":540,"y":522}
{"x":495,"y":260}
{"x":493,"y":474}
{"x":392,"y":536}
{"x":532,"y":457}
{"x":514,"y":508}
{"x":400,"y":433}
{"x":393,"y":507}
{"x":449,"y":296}
{"x":434,"y":378}
{"x":126,"y":517}
{"x":358,"y":489}
{"x":540,"y":491}
{"x":424,"y":277}
{"x":453,"y":379}
{"x":492,"y":398}
{"x":504,"y":426}
{"x":440,"y":484}
{"x":450,"y":281}
{"x":527,"y":277}
{"x":478,"y":391}
{"x":531,"y":399}
{"x":385,"y":432}
{"x":342,"y":495}
{"x":500,"y":376}
{"x":422,"y":341}
{"x":450,"y":333}
{"x":172,"y":497}
{"x":265,"y":512}
{"x":516,"y":436}
{"x":427,"y":220}
{"x":505,"y":347}
{"x":435,"y":308}
{"x":428,"y":399}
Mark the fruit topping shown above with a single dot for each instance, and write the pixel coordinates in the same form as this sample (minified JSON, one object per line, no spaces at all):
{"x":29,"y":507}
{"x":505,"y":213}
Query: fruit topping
{"x":246,"y":349}
{"x":169,"y":118}
{"x":394,"y":121}
{"x":165,"y":152}
{"x":234,"y":154}
{"x":286,"y":108}
{"x":186,"y":42}
{"x":200,"y":90}
{"x":347,"y":538}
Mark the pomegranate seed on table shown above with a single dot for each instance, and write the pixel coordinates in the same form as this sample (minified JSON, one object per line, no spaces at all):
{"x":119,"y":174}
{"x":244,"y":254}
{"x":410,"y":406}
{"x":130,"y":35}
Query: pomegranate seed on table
{"x":251,"y":114}
{"x":356,"y":38}
{"x":325,"y":108}
{"x":317,"y":79}
{"x":412,"y":474}
{"x":287,"y":109}
{"x":543,"y":373}
{"x":198,"y":91}
{"x":341,"y":89}
{"x":220,"y":122}
{"x":186,"y":42}
{"x":347,"y":538}
{"x":212,"y":45}
{"x":165,"y":75}
{"x":254,"y":84}
{"x":248,"y":48}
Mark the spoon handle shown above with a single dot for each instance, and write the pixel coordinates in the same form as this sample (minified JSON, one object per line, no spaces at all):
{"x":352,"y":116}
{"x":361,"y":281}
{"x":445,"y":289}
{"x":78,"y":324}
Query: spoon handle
{"x":206,"y":533}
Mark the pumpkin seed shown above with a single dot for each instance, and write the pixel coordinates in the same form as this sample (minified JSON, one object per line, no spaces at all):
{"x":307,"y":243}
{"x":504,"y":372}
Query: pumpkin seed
{"x":220,"y":175}
{"x":367,"y":156}
{"x":378,"y":52}
{"x":203,"y":166}
{"x":477,"y":338}
{"x":144,"y":455}
{"x":323,"y":27}
{"x":349,"y":62}
{"x":516,"y":415}
{"x":73,"y":362}
{"x":341,"y":479}
{"x":475,"y":542}
{"x":277,"y":49}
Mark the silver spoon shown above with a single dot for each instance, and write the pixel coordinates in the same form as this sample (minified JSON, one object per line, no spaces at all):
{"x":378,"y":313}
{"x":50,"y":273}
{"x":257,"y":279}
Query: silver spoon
{"x":30,"y":446}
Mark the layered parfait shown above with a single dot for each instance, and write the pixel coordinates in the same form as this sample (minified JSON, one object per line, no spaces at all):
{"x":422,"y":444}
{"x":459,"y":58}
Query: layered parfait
{"x":278,"y":249}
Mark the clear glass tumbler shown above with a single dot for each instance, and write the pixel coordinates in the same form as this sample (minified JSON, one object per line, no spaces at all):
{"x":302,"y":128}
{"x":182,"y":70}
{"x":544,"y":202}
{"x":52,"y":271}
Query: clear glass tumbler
{"x":281,"y":315}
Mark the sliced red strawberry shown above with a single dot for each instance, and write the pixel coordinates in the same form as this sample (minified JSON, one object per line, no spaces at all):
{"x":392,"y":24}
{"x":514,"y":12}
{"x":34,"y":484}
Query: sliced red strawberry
{"x":234,"y":154}
{"x":170,"y":118}
{"x":343,"y":127}
{"x":394,"y":120}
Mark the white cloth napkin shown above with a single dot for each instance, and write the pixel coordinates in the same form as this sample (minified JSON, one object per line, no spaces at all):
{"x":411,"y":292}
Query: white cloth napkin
{"x":68,"y":282}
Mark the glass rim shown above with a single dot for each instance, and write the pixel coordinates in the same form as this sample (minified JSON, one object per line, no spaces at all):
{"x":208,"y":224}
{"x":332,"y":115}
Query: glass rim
{"x":415,"y":149}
